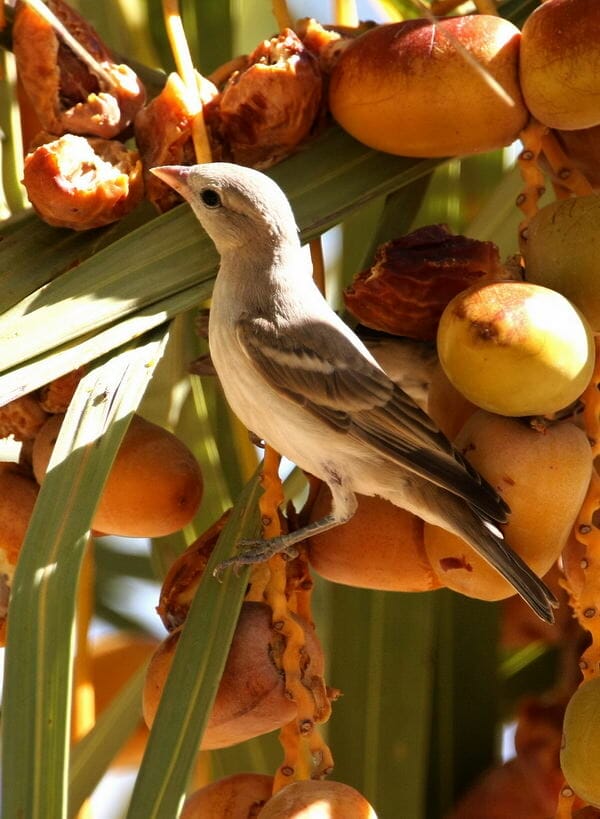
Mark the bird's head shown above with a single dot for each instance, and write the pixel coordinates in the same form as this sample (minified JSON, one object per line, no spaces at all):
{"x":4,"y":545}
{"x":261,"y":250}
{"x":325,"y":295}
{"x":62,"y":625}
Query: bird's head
{"x":237,"y":206}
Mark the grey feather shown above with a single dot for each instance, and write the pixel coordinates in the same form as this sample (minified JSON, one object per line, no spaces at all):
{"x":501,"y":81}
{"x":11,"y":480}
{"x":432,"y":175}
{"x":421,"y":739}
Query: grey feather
{"x":374,"y":410}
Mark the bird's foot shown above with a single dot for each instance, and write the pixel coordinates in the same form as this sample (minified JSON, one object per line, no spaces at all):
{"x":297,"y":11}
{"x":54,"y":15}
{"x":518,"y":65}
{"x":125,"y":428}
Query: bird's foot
{"x":258,"y":551}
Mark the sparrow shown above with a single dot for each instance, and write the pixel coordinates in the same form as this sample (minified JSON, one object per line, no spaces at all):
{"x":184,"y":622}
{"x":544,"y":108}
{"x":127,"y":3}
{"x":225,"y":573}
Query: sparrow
{"x":299,"y":378}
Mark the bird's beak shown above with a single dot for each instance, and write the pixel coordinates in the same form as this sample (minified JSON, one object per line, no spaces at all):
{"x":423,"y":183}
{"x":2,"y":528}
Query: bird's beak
{"x":176,"y":176}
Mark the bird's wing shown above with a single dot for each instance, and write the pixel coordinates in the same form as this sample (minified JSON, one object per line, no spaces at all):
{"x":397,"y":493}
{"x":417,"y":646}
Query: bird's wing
{"x":319,"y":367}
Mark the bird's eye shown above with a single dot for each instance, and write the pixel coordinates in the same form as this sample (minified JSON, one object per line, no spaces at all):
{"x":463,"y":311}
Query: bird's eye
{"x":210,"y":198}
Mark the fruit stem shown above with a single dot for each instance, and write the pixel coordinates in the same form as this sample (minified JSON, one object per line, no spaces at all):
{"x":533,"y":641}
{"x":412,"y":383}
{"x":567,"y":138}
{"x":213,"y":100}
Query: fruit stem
{"x":304,"y":749}
{"x":567,"y":177}
{"x":441,"y":7}
{"x":282,"y":14}
{"x":318,"y":263}
{"x":486,"y":7}
{"x":346,"y":13}
{"x":222,"y":73}
{"x":190,"y":77}
{"x":533,"y":178}
{"x":566,"y":799}
{"x":538,"y":140}
{"x":76,"y":47}
{"x":584,"y":588}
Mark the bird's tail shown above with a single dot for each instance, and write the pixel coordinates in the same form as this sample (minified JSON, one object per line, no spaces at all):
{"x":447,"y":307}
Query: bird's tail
{"x":488,"y":541}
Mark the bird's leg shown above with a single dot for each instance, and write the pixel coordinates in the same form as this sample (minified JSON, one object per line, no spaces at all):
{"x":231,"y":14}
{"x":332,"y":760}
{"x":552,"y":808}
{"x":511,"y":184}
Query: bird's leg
{"x":256,"y":551}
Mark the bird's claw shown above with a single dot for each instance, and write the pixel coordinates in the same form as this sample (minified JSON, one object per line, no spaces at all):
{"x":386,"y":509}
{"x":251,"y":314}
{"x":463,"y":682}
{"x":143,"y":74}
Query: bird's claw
{"x":257,"y":551}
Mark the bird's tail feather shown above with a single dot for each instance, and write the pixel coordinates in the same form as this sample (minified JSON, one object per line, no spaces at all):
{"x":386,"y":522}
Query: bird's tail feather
{"x":488,"y":541}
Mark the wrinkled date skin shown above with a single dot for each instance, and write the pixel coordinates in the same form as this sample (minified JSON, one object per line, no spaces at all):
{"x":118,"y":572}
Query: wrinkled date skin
{"x":265,"y":111}
{"x":414,"y":277}
{"x":68,"y":97}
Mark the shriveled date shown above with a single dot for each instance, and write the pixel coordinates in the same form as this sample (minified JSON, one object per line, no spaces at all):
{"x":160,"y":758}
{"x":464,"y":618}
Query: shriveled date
{"x":80,"y":183}
{"x":414,"y":277}
{"x":98,"y":97}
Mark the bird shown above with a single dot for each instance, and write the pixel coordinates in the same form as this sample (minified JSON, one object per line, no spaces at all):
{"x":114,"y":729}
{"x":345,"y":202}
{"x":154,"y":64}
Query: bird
{"x":299,"y":378}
